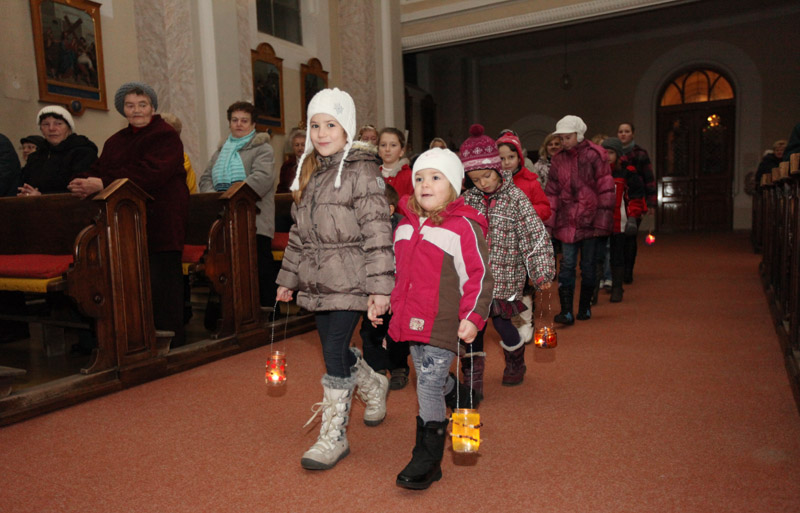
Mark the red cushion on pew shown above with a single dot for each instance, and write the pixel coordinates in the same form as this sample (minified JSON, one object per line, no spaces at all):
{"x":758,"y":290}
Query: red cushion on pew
{"x":34,"y":266}
{"x":192,"y":254}
{"x":280,"y":240}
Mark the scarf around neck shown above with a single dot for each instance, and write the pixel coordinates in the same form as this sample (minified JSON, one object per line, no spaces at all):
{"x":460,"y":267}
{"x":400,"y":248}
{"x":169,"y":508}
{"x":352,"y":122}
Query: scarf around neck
{"x":628,"y":147}
{"x":229,"y":169}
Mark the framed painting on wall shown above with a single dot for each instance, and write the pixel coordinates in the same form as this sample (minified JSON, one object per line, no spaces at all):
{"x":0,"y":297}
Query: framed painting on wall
{"x":69,"y":53}
{"x":268,"y":88}
{"x":313,"y":79}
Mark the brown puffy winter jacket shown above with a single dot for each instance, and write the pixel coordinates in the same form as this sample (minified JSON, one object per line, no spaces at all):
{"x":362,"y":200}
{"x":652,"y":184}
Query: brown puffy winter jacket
{"x":340,"y":247}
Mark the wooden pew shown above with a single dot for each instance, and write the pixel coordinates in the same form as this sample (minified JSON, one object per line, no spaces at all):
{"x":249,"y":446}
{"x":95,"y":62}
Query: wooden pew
{"x":226,"y":224}
{"x":108,"y":280}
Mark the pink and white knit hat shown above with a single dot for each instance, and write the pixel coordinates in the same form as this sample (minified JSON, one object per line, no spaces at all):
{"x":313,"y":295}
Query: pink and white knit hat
{"x":479,"y":151}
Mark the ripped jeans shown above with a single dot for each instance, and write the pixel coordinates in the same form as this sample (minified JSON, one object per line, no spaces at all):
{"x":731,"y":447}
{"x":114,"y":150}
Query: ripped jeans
{"x":432,"y":365}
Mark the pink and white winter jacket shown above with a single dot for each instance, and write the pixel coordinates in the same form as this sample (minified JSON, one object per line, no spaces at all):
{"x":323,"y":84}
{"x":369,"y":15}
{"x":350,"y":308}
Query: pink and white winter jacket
{"x":442,"y":276}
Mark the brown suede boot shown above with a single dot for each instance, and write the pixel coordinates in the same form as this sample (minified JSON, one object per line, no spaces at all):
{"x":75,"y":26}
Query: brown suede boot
{"x":515,"y":369}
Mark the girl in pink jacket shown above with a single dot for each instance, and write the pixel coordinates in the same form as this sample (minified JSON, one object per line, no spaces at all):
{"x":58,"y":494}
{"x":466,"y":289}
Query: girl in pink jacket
{"x":443,"y":288}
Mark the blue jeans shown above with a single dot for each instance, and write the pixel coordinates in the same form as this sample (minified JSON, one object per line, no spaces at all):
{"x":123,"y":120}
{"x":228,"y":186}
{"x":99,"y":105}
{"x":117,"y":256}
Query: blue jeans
{"x":335,"y":331}
{"x":433,"y":370}
{"x":566,"y":276}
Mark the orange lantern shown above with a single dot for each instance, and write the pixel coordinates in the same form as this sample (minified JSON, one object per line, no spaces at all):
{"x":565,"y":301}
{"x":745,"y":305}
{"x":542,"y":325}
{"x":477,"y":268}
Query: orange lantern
{"x":466,"y":430}
{"x":650,"y":239}
{"x":276,"y":369}
{"x":545,"y":337}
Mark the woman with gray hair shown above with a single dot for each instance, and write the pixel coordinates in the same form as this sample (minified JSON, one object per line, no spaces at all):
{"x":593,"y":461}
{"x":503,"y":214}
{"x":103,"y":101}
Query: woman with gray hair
{"x":150,"y":153}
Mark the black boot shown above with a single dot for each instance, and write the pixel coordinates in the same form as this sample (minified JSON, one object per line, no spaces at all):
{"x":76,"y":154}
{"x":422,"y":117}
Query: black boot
{"x":565,"y":317}
{"x":466,"y":397}
{"x":425,"y":465}
{"x":585,"y":303}
{"x":617,"y":277}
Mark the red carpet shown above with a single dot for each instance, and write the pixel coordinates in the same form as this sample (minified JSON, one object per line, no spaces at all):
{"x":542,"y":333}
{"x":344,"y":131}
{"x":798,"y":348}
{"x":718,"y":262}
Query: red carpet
{"x":675,"y":400}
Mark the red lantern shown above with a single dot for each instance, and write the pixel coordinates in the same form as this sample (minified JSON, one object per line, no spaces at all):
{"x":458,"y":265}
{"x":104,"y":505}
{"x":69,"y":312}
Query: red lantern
{"x":650,"y":239}
{"x":276,"y":369}
{"x":545,"y":337}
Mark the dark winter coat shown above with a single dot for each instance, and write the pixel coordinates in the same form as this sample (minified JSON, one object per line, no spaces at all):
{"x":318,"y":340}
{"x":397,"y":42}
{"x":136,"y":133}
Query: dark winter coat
{"x":581,"y":193}
{"x":635,"y":155}
{"x":769,"y":161}
{"x":152,"y":157}
{"x":51,"y":168}
{"x":443,"y":276}
{"x":9,"y":168}
{"x":518,"y":243}
{"x":340,"y":247}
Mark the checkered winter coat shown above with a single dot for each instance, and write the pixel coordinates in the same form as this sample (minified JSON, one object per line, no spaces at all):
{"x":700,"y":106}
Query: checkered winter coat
{"x":518,"y":242}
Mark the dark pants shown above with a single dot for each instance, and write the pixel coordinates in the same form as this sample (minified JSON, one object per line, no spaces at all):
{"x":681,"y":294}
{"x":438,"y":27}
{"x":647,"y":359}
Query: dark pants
{"x":631,"y":248}
{"x":566,"y":276}
{"x":504,"y":327}
{"x":266,"y":276}
{"x":166,"y":285}
{"x":335,"y":331}
{"x":618,"y":250}
{"x":372,"y":343}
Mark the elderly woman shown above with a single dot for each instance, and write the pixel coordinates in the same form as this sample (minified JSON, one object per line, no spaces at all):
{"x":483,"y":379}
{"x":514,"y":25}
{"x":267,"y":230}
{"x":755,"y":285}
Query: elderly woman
{"x":59,"y":158}
{"x":247,"y":156}
{"x":150,"y":153}
{"x":297,"y":138}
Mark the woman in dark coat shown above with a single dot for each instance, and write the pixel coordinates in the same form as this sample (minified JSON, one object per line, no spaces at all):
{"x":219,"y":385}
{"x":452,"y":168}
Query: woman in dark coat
{"x":150,"y":153}
{"x":63,"y":155}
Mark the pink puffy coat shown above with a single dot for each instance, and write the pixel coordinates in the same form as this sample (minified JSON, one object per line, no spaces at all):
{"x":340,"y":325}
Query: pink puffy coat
{"x":581,"y":193}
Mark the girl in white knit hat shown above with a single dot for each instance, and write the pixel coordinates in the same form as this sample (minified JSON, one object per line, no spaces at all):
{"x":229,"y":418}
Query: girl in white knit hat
{"x":581,"y":193}
{"x":339,"y":258}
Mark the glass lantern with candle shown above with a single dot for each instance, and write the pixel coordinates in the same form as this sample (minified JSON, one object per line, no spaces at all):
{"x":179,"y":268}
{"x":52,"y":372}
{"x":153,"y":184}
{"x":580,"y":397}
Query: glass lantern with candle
{"x":545,"y":337}
{"x":466,"y":430}
{"x":276,"y":369}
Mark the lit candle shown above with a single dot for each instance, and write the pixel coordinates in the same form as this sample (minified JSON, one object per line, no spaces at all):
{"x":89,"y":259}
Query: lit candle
{"x":276,"y":369}
{"x":466,"y":431}
{"x":650,"y":239}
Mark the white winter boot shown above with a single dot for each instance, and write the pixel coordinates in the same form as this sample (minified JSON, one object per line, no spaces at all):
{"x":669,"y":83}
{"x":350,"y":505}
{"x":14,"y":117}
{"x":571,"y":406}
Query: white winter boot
{"x":525,"y":326}
{"x":373,"y":388}
{"x":331,"y":445}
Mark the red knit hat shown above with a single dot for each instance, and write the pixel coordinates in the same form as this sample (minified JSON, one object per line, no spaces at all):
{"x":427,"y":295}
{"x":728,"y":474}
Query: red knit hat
{"x":479,"y":151}
{"x":513,"y":140}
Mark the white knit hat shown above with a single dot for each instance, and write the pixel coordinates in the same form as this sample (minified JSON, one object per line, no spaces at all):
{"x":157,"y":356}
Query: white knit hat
{"x":441,"y":160}
{"x":338,"y":104}
{"x":59,"y":111}
{"x":569,"y":125}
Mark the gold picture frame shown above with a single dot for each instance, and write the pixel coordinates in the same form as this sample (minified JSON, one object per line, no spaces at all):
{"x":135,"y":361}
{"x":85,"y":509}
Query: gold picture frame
{"x":67,"y":41}
{"x":268,"y":88}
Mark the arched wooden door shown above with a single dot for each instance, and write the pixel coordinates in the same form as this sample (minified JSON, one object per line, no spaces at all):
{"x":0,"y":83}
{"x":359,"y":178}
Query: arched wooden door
{"x":695,"y":133}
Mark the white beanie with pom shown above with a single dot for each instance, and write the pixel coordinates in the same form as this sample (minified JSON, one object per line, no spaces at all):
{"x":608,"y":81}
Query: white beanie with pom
{"x":338,"y":104}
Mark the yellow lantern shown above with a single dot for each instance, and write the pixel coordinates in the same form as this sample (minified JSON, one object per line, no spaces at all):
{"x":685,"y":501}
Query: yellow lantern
{"x":276,"y":369}
{"x":466,"y":431}
{"x":545,"y":337}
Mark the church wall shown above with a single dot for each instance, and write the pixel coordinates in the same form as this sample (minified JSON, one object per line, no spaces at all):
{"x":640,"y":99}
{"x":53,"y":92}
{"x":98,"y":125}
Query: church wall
{"x":19,"y":90}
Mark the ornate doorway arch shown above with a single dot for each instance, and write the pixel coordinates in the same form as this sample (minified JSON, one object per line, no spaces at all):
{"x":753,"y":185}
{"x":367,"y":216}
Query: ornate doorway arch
{"x":695,"y":134}
{"x":746,"y":80}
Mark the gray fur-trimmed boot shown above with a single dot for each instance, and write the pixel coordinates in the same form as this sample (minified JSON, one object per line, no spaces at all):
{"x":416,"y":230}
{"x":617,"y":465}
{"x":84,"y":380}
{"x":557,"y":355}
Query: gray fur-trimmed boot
{"x":331,"y":445}
{"x":372,"y":388}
